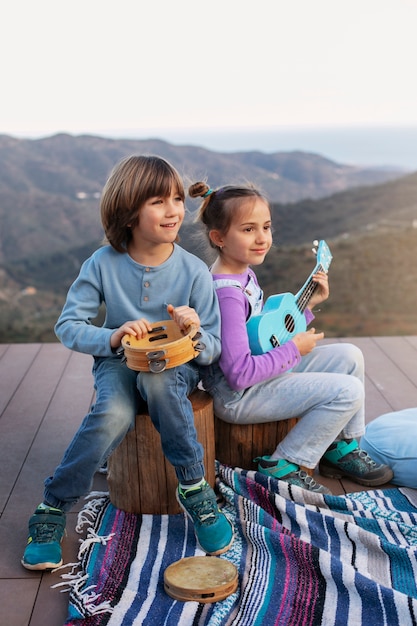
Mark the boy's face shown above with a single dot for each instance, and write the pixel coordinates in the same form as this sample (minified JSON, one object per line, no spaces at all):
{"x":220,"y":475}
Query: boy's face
{"x":160,"y":219}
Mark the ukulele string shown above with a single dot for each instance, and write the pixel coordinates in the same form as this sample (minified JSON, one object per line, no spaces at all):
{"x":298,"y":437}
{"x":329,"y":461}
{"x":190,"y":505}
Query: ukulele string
{"x":306,"y":294}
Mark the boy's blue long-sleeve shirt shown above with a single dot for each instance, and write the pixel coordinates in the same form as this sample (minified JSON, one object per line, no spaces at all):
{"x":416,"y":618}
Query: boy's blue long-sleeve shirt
{"x":131,"y":291}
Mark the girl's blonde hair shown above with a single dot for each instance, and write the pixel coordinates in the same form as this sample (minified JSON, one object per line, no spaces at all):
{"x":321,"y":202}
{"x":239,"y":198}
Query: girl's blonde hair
{"x":131,"y":183}
{"x":220,"y":206}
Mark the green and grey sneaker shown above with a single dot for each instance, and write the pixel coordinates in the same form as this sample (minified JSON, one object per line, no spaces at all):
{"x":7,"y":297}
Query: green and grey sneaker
{"x":213,"y":529}
{"x":46,"y":529}
{"x":290,"y":472}
{"x":346,"y":459}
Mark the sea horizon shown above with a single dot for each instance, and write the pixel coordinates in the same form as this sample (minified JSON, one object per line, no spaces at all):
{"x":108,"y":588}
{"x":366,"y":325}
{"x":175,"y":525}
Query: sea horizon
{"x":383,"y":147}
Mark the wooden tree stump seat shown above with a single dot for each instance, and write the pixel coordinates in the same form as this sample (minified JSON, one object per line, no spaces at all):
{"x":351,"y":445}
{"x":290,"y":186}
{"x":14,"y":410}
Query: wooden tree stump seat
{"x":238,"y":444}
{"x":141,"y":479}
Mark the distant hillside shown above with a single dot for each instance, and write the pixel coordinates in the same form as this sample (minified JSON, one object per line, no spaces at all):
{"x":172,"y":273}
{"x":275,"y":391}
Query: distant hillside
{"x":373,"y":278}
{"x":389,"y":205}
{"x":50,"y":188}
{"x":49,"y":223}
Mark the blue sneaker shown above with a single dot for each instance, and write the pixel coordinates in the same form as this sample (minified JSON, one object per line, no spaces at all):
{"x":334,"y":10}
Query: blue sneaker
{"x":212,"y":528}
{"x":43,"y":549}
{"x":290,"y":472}
{"x":346,"y":459}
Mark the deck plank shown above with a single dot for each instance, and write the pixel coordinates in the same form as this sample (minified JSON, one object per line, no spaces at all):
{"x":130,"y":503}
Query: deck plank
{"x":26,"y":410}
{"x":395,"y":387}
{"x":389,"y":386}
{"x":17,"y":598}
{"x":403,"y":353}
{"x":14,"y":363}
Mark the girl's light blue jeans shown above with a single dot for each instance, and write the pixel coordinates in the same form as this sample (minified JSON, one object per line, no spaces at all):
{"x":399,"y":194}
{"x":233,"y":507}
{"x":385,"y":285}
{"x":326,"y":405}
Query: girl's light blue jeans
{"x":120,"y":394}
{"x":326,"y":390}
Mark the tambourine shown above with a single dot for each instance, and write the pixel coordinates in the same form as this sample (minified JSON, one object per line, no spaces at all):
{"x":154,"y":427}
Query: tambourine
{"x":165,"y":346}
{"x":201,"y":579}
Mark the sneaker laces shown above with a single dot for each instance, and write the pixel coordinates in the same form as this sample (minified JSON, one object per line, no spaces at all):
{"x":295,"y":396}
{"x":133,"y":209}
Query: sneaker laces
{"x":204,"y":511}
{"x":44,"y":532}
{"x":364,"y":456}
{"x":306,"y":478}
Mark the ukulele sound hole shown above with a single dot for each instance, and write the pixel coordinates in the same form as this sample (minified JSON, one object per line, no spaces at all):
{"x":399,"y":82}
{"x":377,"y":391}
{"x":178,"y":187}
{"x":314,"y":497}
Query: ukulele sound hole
{"x":289,"y":323}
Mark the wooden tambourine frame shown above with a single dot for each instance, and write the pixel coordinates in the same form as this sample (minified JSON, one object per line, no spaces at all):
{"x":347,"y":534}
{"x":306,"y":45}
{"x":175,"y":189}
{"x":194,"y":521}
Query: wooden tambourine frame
{"x":165,"y":346}
{"x":200,"y":579}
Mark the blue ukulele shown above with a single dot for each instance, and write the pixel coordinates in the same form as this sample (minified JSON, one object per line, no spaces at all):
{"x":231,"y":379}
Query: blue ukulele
{"x":282,"y":316}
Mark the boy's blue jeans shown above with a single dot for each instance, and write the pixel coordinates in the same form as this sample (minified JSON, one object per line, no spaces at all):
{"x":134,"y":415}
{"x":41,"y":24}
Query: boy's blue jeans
{"x":120,"y":395}
{"x":326,"y":390}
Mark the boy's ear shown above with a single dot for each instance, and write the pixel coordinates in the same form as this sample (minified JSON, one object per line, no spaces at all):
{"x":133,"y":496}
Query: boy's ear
{"x":216,"y":238}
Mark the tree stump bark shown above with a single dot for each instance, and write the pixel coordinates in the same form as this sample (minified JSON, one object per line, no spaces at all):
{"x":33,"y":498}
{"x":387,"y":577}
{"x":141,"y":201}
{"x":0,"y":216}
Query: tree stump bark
{"x":238,"y":444}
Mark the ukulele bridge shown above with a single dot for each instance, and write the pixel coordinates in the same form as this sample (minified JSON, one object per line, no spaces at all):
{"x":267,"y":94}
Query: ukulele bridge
{"x":274,"y":341}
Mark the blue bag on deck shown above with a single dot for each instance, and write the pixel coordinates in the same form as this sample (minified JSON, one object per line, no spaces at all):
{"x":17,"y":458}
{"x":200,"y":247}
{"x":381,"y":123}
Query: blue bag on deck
{"x":392,"y":439}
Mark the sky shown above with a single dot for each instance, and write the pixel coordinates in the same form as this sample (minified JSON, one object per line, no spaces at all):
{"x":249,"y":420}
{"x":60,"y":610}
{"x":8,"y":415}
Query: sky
{"x":145,"y":67}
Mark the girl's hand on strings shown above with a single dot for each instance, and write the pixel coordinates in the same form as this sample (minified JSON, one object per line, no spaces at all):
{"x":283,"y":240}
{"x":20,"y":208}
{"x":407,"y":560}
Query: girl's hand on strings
{"x":322,"y":292}
{"x":307,"y":341}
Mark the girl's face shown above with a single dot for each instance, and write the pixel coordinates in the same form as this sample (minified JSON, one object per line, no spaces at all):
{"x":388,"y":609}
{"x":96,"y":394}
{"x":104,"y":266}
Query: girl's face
{"x":249,"y":237}
{"x":160,"y":219}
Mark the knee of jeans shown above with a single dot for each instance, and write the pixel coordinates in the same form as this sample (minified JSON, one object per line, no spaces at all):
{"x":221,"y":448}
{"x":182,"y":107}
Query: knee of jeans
{"x":120,"y":415}
{"x":157,"y":385}
{"x":355,"y":392}
{"x":355,"y":357}
{"x":152,"y":385}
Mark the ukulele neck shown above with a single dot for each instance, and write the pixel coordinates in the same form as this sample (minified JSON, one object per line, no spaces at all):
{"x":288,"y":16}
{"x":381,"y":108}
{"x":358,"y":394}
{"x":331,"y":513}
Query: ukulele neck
{"x":306,"y":292}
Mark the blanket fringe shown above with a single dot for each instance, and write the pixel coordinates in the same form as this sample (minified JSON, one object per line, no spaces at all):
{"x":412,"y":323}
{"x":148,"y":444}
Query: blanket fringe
{"x":74,"y":581}
{"x":90,"y":510}
{"x":69,"y":576}
{"x":86,"y":598}
{"x":92,"y":537}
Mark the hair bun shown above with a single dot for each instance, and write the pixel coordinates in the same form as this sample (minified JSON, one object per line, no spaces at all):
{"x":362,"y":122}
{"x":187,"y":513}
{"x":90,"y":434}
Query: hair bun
{"x":197,"y":190}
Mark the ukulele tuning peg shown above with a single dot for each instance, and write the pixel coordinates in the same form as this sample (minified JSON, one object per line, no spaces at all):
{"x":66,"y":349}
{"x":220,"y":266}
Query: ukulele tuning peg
{"x":315,"y":243}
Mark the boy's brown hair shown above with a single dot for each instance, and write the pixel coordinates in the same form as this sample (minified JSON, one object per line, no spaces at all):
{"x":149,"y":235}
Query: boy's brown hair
{"x":131,"y":183}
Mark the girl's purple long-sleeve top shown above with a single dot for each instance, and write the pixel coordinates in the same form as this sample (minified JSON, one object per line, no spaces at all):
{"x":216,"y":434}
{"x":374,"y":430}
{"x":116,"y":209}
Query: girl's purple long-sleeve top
{"x":241,"y":368}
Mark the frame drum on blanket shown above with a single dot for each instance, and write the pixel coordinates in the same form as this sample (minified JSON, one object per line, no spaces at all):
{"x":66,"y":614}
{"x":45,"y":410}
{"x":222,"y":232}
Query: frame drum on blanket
{"x":165,"y":346}
{"x":200,"y":579}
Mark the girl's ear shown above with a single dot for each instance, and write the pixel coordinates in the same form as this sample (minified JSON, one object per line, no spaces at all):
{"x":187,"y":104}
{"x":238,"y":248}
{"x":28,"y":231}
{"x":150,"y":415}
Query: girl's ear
{"x":216,"y":238}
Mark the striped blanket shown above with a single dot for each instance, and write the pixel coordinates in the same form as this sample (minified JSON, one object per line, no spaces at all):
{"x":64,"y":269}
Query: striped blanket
{"x":303,"y":559}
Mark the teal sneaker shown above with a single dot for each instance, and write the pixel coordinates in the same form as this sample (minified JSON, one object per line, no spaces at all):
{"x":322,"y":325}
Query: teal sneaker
{"x":213,"y":529}
{"x":346,"y":459}
{"x":43,"y":549}
{"x":290,"y":472}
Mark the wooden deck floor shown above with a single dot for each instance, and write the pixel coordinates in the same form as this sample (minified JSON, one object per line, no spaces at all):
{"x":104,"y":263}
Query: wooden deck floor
{"x":45,"y":391}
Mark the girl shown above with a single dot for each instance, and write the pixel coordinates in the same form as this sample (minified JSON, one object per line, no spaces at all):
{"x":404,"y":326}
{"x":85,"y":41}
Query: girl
{"x":322,"y":385}
{"x":141,"y":277}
